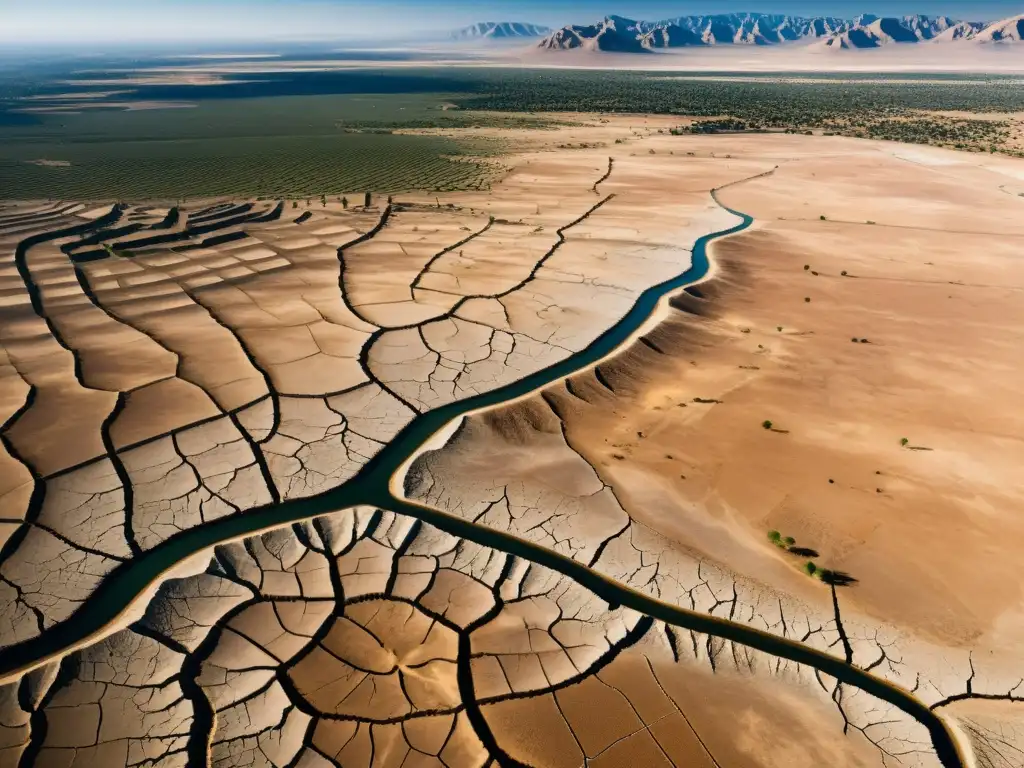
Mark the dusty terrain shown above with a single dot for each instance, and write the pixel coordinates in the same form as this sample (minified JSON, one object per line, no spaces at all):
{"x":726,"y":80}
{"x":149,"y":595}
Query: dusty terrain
{"x":164,"y":370}
{"x":672,"y":435}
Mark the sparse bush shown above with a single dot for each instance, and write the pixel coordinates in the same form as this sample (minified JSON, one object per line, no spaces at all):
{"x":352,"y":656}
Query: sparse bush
{"x":807,"y":299}
{"x":806,"y":267}
{"x":344,"y":203}
{"x":774,"y":537}
{"x":790,"y":541}
{"x":367,"y":199}
{"x":904,"y":442}
{"x":843,"y":273}
{"x":823,"y":217}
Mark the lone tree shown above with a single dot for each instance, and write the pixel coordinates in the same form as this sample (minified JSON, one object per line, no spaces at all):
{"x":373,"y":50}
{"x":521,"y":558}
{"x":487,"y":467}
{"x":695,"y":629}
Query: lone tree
{"x":775,"y":538}
{"x":367,"y":200}
{"x":810,"y":568}
{"x":789,"y":541}
{"x":344,"y":203}
{"x":904,"y":441}
{"x":323,"y":200}
{"x":295,"y":203}
{"x":767,"y":424}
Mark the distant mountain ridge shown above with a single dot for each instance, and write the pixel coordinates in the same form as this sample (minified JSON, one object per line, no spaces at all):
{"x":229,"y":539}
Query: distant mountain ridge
{"x":500,"y":30}
{"x":624,"y":35}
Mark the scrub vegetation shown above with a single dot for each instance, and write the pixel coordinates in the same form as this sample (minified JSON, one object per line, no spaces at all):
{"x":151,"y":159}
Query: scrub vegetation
{"x":103,"y":134}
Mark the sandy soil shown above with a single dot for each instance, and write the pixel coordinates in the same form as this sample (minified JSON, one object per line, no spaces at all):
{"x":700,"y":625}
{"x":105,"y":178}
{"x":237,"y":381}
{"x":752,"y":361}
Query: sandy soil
{"x":928,"y":241}
{"x":893,"y":239}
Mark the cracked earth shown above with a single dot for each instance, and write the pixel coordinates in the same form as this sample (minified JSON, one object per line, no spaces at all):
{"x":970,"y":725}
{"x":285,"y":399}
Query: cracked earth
{"x":184,"y":391}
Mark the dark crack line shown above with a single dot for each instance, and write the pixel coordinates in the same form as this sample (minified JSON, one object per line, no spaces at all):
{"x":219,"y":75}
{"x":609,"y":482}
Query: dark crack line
{"x":847,"y":648}
{"x":599,"y":182}
{"x":433,"y":259}
{"x":127,"y":488}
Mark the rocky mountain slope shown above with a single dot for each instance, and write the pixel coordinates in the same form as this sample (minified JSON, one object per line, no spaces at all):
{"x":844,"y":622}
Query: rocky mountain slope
{"x":1005,"y":31}
{"x":624,"y":35}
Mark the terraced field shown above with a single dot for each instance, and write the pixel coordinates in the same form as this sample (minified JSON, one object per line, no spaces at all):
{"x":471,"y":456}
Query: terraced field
{"x":315,"y":488}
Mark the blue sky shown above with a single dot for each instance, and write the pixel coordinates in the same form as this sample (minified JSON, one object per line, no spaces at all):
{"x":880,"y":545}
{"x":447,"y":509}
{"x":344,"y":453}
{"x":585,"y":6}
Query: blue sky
{"x":27,"y":21}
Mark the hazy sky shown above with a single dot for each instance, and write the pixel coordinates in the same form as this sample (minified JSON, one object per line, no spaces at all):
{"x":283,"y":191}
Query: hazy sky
{"x":28,"y":21}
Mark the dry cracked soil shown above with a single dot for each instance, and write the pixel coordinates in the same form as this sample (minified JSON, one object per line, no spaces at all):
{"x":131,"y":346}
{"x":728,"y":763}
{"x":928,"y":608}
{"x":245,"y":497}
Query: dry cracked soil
{"x":228,"y":539}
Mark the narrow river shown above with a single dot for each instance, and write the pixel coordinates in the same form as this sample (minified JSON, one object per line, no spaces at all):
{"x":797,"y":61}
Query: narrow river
{"x":371,"y":486}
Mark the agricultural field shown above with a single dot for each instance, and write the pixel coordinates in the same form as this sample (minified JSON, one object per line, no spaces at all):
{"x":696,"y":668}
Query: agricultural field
{"x":282,"y":147}
{"x":291,"y":130}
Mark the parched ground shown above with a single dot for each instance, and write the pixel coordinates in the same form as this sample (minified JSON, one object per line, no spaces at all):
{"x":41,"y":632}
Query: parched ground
{"x":162,"y":369}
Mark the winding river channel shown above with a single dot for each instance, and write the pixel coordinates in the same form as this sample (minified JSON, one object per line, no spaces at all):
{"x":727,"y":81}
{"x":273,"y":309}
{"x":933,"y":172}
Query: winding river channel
{"x":372,"y":486}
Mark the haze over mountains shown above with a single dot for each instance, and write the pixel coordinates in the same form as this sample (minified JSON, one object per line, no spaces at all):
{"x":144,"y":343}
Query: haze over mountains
{"x":624,"y":35}
{"x":500,"y":30}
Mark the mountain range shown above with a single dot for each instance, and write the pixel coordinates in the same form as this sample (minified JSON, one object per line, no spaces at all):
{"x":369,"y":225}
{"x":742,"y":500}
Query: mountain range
{"x":500,"y":30}
{"x":624,"y":35}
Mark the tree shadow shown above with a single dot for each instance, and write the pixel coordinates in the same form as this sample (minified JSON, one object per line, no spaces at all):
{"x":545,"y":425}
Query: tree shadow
{"x":838,"y":578}
{"x":803,"y":552}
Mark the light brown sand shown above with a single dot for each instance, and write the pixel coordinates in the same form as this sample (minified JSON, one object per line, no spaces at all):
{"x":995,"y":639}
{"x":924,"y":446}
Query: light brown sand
{"x":935,"y":286}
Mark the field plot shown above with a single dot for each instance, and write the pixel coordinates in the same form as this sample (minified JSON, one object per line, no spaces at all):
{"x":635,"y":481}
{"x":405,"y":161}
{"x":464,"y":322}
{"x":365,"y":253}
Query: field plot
{"x":299,"y":167}
{"x":284,"y":147}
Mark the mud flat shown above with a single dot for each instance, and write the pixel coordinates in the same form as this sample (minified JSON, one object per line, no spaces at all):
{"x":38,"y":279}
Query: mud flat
{"x":531,"y":569}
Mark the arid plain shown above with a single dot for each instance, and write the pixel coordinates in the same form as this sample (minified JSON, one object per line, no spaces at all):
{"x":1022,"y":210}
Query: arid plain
{"x":419,"y":483}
